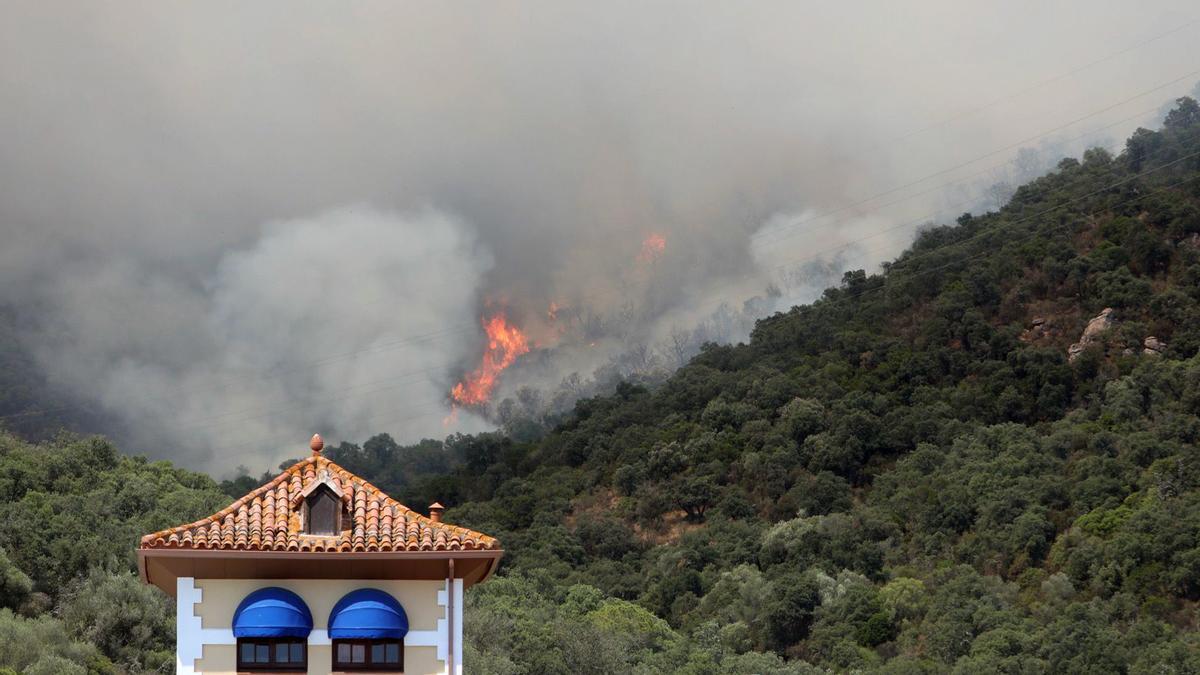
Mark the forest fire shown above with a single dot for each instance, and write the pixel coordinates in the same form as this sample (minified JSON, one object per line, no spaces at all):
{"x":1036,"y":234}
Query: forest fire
{"x":652,"y":248}
{"x":505,"y":343}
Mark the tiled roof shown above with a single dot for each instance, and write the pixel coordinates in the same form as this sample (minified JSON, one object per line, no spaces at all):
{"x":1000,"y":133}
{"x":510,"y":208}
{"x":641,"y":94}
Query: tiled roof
{"x":268,"y":519}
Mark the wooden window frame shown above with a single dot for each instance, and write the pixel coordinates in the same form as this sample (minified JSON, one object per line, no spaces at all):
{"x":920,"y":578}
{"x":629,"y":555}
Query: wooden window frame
{"x":273,"y":666}
{"x":368,"y":665}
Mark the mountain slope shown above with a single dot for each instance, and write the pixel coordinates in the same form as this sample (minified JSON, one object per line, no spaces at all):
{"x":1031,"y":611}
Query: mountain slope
{"x":910,"y":475}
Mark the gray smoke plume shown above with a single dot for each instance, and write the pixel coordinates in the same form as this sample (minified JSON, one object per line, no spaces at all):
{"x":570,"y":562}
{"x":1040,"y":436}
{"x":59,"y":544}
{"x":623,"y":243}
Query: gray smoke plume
{"x":226,"y":226}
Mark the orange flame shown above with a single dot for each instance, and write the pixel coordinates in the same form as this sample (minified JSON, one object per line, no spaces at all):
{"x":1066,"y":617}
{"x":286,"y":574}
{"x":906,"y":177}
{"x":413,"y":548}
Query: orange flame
{"x":652,"y":248}
{"x":505,"y":343}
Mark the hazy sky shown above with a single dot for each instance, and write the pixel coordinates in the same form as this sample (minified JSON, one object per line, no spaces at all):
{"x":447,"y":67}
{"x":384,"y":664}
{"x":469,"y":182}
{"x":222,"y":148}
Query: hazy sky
{"x":225,"y":223}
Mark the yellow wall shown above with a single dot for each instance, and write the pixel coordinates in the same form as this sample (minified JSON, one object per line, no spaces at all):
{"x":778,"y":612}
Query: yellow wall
{"x":220,"y":597}
{"x":218,"y":659}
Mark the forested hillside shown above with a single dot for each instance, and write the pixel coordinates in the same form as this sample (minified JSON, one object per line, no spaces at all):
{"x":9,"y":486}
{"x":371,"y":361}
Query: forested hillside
{"x":29,"y":405}
{"x":928,"y":470}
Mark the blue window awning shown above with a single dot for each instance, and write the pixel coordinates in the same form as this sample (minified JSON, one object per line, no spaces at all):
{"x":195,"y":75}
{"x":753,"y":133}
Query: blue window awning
{"x":272,"y":613}
{"x":367,"y":614}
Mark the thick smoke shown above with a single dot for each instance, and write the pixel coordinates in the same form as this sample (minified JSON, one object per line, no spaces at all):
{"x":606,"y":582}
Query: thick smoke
{"x":350,"y":320}
{"x":229,"y":226}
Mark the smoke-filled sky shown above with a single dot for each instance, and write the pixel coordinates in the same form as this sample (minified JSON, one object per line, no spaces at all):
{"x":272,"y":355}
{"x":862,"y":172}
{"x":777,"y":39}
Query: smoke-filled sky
{"x":229,"y":225}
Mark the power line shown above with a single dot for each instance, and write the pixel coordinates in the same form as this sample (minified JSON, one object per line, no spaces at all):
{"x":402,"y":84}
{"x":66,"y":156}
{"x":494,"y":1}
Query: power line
{"x":386,"y":346}
{"x":390,"y":382}
{"x":446,"y":332}
{"x":275,"y":372}
{"x":995,"y":152}
{"x":903,"y":262}
{"x":858,"y":296}
{"x":964,"y":179}
{"x":1057,"y":78}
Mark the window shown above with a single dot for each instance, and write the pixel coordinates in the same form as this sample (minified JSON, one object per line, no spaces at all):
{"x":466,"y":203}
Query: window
{"x":272,"y":626}
{"x":274,"y":654}
{"x":367,"y":628}
{"x":323,"y":510}
{"x":376,"y":655}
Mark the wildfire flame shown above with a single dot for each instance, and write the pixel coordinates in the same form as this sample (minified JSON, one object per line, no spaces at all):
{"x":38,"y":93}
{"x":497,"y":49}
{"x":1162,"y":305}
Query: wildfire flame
{"x":652,"y":248}
{"x":505,"y":343}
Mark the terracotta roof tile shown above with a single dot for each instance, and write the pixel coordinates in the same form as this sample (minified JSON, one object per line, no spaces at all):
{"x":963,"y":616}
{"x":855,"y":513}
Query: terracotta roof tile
{"x":268,"y":519}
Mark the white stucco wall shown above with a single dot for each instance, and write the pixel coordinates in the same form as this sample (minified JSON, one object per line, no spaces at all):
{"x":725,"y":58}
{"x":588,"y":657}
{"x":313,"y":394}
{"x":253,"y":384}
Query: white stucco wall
{"x":204,"y":616}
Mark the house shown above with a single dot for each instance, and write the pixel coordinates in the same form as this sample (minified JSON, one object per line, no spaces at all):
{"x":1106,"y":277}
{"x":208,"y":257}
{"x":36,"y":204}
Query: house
{"x":318,"y":571}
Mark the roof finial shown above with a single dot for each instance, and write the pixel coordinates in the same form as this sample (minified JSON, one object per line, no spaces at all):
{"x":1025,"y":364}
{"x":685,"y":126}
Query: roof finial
{"x":435,"y":512}
{"x":316,"y":444}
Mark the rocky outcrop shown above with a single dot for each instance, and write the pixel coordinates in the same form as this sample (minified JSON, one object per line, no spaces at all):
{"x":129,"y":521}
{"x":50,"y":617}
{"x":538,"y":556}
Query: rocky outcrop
{"x":1036,"y":330}
{"x":1091,"y":335}
{"x":1042,"y":330}
{"x":1152,"y":346}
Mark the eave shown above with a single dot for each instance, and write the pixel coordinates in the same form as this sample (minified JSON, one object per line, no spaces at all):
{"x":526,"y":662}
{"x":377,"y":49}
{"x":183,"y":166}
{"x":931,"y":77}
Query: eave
{"x":162,"y":566}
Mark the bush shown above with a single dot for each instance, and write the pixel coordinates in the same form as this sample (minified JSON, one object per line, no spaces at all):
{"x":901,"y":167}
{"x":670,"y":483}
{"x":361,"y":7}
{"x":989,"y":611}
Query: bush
{"x":42,"y":645}
{"x":132,"y":623}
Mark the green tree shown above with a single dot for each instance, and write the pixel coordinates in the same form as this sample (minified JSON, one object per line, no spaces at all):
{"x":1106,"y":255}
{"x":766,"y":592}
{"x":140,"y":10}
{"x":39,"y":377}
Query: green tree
{"x":789,"y":613}
{"x":15,"y":586}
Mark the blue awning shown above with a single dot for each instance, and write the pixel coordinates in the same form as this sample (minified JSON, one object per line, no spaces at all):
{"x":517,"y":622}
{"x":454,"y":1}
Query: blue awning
{"x":271,"y":613}
{"x":367,"y":614}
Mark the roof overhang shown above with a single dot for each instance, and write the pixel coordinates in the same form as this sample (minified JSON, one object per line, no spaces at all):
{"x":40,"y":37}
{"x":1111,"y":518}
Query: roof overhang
{"x":162,"y":566}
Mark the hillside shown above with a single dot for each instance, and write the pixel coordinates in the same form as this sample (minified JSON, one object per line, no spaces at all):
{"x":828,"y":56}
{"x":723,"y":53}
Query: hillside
{"x":917,"y":473}
{"x":29,"y":405}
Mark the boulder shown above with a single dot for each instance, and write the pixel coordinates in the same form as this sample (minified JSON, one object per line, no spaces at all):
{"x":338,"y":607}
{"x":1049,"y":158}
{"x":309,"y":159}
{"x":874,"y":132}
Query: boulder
{"x":1038,"y":330}
{"x":1095,"y":328}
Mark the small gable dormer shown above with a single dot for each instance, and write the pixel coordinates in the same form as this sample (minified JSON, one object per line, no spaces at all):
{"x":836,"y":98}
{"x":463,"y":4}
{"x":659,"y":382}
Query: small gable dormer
{"x":322,"y":512}
{"x":321,"y":507}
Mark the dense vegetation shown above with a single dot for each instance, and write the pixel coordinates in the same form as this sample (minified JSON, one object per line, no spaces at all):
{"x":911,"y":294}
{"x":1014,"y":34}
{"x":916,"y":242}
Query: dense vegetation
{"x":907,"y":476}
{"x":73,"y":510}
